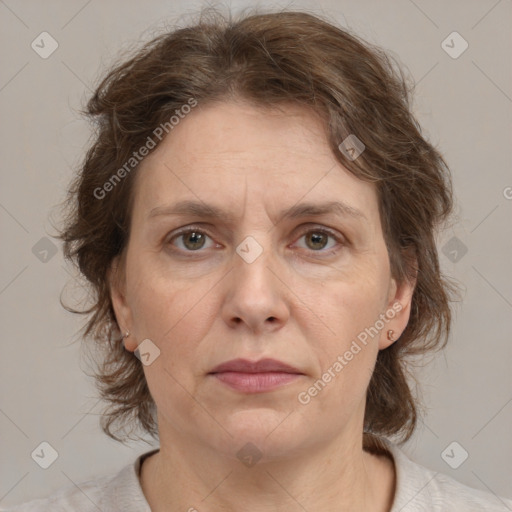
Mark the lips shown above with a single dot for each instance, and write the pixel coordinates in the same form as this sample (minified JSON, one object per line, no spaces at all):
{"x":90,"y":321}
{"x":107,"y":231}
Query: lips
{"x":263,"y":376}
{"x":263,"y":366}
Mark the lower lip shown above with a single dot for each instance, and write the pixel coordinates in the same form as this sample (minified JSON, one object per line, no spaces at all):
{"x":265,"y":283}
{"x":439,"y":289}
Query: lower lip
{"x":256,"y":382}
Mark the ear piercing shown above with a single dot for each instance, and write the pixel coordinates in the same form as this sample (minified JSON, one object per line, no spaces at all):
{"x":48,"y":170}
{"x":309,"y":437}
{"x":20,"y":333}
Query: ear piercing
{"x":126,"y":334}
{"x":391,"y":335}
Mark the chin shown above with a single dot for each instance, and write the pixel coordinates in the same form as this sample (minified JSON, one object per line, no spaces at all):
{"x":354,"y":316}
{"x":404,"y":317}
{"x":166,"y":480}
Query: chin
{"x":265,"y":434}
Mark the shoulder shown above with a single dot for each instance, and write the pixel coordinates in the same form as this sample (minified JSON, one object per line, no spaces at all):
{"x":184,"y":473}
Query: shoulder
{"x":420,"y":489}
{"x":120,"y":491}
{"x":85,"y":496}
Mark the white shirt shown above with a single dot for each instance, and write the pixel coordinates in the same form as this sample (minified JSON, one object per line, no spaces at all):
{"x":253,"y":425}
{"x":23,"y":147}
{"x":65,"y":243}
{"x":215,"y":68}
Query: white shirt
{"x":418,"y":489}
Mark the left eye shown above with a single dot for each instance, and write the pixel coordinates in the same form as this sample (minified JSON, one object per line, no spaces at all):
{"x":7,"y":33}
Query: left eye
{"x":318,"y":239}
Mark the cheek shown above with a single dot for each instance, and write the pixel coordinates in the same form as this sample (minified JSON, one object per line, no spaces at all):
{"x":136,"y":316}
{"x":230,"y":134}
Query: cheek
{"x":175,"y":317}
{"x":167,"y":314}
{"x":352,"y":301}
{"x":345,"y":360}
{"x":349,"y":310}
{"x":173,"y":314}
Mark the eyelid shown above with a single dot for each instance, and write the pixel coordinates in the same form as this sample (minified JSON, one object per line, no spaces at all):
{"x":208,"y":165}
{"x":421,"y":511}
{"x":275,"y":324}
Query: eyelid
{"x":324,"y":229}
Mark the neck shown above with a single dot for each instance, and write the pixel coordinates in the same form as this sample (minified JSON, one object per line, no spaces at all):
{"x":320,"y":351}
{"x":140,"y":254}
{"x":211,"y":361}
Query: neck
{"x":338,"y":476}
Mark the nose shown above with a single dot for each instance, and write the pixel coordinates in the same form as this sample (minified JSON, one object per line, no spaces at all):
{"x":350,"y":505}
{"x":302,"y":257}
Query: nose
{"x":255,"y":297}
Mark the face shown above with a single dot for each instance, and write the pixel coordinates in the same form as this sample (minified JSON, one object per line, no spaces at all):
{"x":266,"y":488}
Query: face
{"x":280,"y":256}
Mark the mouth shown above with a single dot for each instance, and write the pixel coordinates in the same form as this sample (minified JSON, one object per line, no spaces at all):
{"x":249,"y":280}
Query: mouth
{"x":255,"y":377}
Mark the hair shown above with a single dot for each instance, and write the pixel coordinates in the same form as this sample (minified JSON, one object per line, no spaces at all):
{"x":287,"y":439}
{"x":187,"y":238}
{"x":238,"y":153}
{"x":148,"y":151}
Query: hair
{"x":267,"y":59}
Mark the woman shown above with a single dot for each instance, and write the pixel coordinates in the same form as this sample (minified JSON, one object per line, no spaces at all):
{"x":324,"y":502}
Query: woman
{"x":257,"y":218}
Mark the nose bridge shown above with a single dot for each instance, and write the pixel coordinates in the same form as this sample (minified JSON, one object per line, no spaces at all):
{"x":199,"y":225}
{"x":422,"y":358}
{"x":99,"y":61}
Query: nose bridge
{"x":255,"y":296}
{"x":254,"y":256}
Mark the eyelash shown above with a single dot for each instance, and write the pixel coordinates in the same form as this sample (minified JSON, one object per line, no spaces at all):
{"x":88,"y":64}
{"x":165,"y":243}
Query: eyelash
{"x":323,"y":230}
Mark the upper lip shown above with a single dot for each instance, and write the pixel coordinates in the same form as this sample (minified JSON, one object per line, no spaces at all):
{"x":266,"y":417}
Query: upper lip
{"x":262,"y":366}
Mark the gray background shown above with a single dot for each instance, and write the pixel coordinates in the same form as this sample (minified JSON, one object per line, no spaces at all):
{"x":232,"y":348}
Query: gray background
{"x":464,"y":105}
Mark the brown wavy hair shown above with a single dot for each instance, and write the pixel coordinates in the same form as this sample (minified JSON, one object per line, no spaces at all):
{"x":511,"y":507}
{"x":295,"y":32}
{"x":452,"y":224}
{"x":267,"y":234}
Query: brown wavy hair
{"x":267,"y":59}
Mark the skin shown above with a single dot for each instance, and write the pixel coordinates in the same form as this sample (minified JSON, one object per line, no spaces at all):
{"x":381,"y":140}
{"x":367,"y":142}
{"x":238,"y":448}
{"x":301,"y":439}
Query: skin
{"x":298,"y":302}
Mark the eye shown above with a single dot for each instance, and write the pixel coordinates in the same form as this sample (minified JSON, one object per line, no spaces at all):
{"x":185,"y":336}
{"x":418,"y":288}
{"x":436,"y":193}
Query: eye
{"x":317,"y":240}
{"x":192,"y":239}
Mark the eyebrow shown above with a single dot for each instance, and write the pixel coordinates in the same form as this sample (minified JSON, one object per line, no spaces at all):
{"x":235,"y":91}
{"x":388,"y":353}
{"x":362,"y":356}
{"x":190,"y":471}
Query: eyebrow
{"x":201,"y":209}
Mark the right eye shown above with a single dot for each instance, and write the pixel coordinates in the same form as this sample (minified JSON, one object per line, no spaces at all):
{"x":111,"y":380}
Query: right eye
{"x":192,"y":239}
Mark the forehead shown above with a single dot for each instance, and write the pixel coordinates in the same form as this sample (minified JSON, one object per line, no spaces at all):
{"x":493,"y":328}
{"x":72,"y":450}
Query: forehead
{"x":233,"y":153}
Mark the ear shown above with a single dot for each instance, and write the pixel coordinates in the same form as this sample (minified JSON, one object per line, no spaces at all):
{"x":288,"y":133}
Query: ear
{"x":117,"y":285}
{"x":399,"y":305}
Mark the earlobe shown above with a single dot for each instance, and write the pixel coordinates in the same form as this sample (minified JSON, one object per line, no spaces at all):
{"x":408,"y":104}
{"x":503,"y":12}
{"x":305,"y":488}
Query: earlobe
{"x":399,"y":311}
{"x":129,"y":344}
{"x":391,"y":335}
